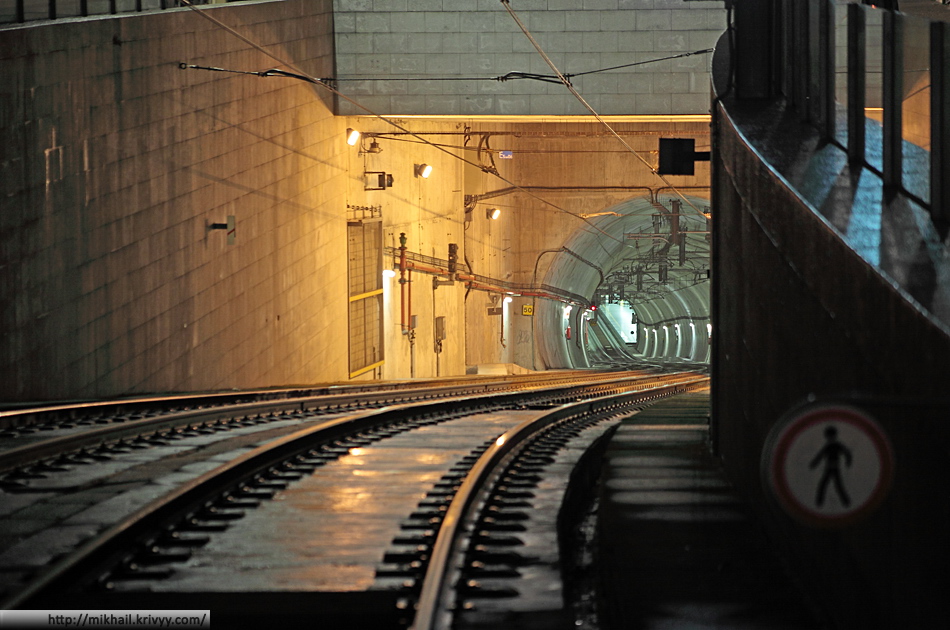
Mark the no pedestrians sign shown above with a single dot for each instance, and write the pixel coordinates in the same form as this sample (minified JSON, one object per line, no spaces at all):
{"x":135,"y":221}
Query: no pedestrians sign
{"x":828,"y":466}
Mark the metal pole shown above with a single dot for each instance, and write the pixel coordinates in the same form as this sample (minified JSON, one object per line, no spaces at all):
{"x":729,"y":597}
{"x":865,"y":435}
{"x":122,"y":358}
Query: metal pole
{"x":857,"y":82}
{"x":753,"y":49}
{"x":801,"y":54}
{"x":893,"y":99}
{"x":940,"y":126}
{"x":826,"y":68}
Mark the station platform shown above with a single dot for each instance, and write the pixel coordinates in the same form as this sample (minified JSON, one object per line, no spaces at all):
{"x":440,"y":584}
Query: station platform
{"x":677,"y":547}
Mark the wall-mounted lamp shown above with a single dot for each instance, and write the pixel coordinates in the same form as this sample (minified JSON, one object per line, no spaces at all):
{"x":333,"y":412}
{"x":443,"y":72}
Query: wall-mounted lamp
{"x":373,"y":148}
{"x":352,"y":137}
{"x":493,"y":213}
{"x":423,"y":170}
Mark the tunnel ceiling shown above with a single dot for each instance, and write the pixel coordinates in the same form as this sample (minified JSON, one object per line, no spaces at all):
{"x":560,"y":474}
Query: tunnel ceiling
{"x":652,"y":255}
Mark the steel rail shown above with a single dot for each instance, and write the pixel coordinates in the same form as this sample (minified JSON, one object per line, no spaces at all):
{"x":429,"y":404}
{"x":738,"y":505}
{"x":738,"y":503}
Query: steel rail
{"x":52,"y":447}
{"x":437,"y":594}
{"x":112,"y":544}
{"x":11,"y":418}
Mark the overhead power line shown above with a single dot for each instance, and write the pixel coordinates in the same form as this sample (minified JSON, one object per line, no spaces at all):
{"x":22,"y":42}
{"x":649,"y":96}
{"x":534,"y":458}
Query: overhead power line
{"x":299,"y":74}
{"x":564,"y":80}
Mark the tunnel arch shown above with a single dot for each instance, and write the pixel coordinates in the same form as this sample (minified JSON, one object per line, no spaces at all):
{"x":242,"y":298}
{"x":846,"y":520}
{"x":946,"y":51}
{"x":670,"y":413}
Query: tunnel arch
{"x":619,"y":257}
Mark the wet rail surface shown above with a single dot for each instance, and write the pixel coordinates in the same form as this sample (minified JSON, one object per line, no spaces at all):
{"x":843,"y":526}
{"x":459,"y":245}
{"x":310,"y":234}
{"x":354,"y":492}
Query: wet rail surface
{"x":352,"y":517}
{"x":36,"y":441}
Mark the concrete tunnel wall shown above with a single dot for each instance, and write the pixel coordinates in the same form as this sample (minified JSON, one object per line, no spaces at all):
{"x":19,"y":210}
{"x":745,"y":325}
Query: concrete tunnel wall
{"x":394,"y":56}
{"x":682,"y":303}
{"x":115,"y":161}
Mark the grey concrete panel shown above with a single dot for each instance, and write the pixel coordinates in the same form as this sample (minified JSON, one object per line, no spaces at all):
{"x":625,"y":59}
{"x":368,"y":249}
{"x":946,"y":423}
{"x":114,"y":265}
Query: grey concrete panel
{"x":356,"y":43}
{"x":654,"y":20}
{"x":377,"y":64}
{"x":372,"y":22}
{"x":476,"y":105}
{"x":425,"y":5}
{"x":555,"y":21}
{"x":674,"y":83}
{"x":582,"y":21}
{"x":406,"y":22}
{"x":353,"y":5}
{"x":477,"y":65}
{"x":391,"y":43}
{"x":689,"y":103}
{"x":438,"y":22}
{"x":427,"y":43}
{"x":654,"y":103}
{"x":390,"y":5}
{"x":495,"y":43}
{"x":619,"y":20}
{"x":427,"y":87}
{"x":599,"y":42}
{"x":344,"y":23}
{"x":635,"y":41}
{"x":703,"y":39}
{"x":460,"y":43}
{"x":685,"y":20}
{"x":443,"y":102}
{"x":471,"y":22}
{"x":669,"y":41}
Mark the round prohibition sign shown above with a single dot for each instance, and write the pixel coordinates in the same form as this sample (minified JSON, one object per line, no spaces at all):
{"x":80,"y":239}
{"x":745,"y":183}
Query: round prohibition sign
{"x":828,"y":466}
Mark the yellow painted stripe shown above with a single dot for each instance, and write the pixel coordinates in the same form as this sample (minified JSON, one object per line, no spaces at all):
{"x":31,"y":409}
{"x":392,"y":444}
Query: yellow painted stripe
{"x":363,"y":296}
{"x":366,"y":369}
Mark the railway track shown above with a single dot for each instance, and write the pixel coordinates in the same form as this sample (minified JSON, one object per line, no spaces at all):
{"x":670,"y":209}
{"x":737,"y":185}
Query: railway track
{"x":450,"y":548}
{"x":37,"y":442}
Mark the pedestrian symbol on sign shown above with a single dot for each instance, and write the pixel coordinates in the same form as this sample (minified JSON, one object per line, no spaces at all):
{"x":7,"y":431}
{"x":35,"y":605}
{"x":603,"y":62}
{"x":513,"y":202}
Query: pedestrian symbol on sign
{"x":828,"y":466}
{"x":831,"y":454}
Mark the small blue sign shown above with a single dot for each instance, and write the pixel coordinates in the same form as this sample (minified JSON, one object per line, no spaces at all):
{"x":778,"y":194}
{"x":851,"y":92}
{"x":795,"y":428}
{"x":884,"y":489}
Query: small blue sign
{"x":506,"y":155}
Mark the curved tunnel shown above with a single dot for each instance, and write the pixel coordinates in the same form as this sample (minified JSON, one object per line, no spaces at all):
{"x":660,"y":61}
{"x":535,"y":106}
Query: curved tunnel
{"x":645,"y":267}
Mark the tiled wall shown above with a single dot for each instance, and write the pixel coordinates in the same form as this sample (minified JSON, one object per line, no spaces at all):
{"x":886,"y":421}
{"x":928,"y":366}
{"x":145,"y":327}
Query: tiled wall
{"x":113,"y":164}
{"x":477,"y":39}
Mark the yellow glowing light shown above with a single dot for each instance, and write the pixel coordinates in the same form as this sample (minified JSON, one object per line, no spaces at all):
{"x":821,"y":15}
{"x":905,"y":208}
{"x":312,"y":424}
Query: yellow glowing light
{"x":357,"y":451}
{"x":500,"y":441}
{"x":352,"y":136}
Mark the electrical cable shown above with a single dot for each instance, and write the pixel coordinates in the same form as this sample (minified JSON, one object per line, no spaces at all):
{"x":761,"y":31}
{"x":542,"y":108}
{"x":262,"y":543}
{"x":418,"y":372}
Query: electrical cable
{"x":298,"y":74}
{"x":587,"y":105}
{"x":514,"y":75}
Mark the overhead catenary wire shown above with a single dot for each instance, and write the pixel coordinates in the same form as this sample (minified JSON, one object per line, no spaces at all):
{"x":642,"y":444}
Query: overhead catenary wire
{"x":299,"y":74}
{"x":564,"y":80}
{"x":515,"y":75}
